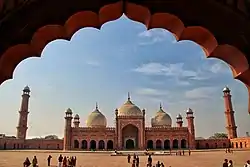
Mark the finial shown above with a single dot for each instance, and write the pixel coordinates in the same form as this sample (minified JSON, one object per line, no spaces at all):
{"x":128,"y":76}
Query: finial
{"x":160,"y":106}
{"x":128,"y":96}
{"x":96,"y":106}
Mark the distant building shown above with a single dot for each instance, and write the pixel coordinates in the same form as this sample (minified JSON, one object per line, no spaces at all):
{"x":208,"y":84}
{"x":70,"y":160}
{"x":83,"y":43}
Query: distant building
{"x":129,"y":131}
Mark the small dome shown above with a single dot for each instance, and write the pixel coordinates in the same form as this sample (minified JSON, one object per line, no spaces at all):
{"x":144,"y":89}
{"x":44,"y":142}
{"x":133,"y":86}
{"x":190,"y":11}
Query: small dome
{"x":161,"y":119}
{"x":129,"y":109}
{"x":226,"y":89}
{"x":76,"y":116}
{"x":26,"y":89}
{"x":68,"y":111}
{"x":96,"y":119}
{"x":189,"y":110}
{"x":179,"y":116}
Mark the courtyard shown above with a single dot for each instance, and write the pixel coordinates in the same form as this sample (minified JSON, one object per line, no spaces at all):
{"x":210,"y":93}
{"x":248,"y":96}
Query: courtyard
{"x":197,"y":159}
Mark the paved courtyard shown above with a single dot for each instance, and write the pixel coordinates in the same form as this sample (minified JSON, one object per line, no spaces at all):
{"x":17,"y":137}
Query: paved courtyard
{"x":197,"y":159}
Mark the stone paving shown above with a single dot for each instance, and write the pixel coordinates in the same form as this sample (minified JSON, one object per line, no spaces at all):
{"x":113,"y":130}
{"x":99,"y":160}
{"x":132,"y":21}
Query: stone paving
{"x":197,"y":159}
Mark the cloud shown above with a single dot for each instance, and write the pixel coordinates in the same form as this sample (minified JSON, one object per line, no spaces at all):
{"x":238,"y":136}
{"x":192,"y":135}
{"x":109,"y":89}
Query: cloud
{"x":201,"y":93}
{"x":219,"y":68}
{"x":166,"y":70}
{"x":155,"y":36}
{"x":93,"y":63}
{"x":150,"y":92}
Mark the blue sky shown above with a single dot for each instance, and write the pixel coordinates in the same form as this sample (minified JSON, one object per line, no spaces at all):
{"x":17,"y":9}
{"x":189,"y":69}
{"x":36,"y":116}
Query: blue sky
{"x":103,"y":65}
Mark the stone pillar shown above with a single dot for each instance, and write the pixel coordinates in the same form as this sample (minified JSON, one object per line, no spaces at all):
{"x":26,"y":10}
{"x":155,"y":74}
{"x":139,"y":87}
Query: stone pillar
{"x":191,"y":130}
{"x":67,"y":130}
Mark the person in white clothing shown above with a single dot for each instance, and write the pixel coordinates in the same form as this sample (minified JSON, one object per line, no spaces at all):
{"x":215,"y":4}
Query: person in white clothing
{"x":230,"y":163}
{"x":247,"y":164}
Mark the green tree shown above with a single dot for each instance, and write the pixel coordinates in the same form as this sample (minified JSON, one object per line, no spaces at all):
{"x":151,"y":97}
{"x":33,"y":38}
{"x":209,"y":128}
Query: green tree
{"x":219,"y":136}
{"x":51,"y":137}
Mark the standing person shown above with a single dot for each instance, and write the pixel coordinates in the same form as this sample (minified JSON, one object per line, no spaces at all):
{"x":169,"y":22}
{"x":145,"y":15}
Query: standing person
{"x":74,"y":161}
{"x":137,"y":161}
{"x":129,"y":157}
{"x":26,"y":163}
{"x":225,"y":164}
{"x":49,"y":159}
{"x":65,"y":161}
{"x":247,"y":164}
{"x":230,"y":163}
{"x":60,"y":159}
{"x":34,"y":162}
{"x":149,"y":160}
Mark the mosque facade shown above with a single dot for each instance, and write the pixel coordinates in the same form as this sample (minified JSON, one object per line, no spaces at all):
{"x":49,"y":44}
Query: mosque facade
{"x":129,"y":131}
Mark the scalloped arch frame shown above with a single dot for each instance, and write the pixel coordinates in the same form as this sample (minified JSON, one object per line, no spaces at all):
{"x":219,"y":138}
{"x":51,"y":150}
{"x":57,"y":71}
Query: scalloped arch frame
{"x":235,"y":59}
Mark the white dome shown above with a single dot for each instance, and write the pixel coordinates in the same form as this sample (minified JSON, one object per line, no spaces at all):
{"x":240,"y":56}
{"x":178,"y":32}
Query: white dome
{"x":129,"y":109}
{"x":96,"y":119}
{"x":226,"y":89}
{"x":161,"y":119}
{"x":26,"y":89}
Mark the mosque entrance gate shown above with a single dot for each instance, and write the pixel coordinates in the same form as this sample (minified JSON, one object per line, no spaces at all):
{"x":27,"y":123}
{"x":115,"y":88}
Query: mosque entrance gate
{"x":130,"y":143}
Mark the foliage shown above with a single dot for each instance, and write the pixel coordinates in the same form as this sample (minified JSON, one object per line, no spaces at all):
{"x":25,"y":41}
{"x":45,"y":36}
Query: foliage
{"x":219,"y":136}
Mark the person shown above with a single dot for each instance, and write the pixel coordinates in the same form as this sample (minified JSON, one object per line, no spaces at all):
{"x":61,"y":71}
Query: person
{"x":60,"y":159}
{"x":65,"y":161}
{"x":149,"y":160}
{"x":49,"y":159}
{"x":225,"y":164}
{"x":230,"y":163}
{"x":189,"y":152}
{"x":162,"y":165}
{"x":158,"y":164}
{"x":247,"y":164}
{"x":129,"y":157}
{"x":26,"y":163}
{"x":34,"y":162}
{"x":137,"y":161}
{"x":133,"y":164}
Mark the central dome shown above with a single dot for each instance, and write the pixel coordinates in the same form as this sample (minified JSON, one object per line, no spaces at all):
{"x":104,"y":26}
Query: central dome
{"x":161,"y":118}
{"x":96,"y":119}
{"x":129,"y":109}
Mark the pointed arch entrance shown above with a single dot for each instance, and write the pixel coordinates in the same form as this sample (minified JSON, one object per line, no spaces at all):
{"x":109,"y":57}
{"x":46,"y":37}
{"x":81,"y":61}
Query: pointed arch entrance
{"x":130,"y":137}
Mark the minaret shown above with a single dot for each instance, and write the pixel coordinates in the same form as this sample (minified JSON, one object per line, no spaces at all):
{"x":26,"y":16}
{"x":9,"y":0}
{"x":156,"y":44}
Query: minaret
{"x":179,"y":121}
{"x":190,"y":122}
{"x":67,"y":130}
{"x":23,"y":114}
{"x":76,"y":121}
{"x":229,"y":113}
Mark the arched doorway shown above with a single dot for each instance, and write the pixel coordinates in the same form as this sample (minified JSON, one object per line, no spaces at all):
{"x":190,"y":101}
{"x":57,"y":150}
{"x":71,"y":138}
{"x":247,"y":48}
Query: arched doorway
{"x":216,"y":145}
{"x":14,"y":146}
{"x":175,"y":144}
{"x":232,"y":145}
{"x":76,"y":144}
{"x":92,"y":144}
{"x":197,"y":145}
{"x":158,"y":144}
{"x":4,"y":146}
{"x":101,"y":145}
{"x":150,"y":144}
{"x":84,"y":144}
{"x":240,"y":144}
{"x":207,"y":146}
{"x":224,"y":145}
{"x":183,"y":143}
{"x":130,"y":137}
{"x":110,"y":145}
{"x":167,"y":144}
{"x":236,"y":145}
{"x":130,"y":144}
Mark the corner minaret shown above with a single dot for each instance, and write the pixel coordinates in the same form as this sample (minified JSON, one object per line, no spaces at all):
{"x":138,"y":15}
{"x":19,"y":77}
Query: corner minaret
{"x":68,"y":129}
{"x":229,"y":113}
{"x":23,"y":114}
{"x":190,"y":122}
{"x":179,"y":121}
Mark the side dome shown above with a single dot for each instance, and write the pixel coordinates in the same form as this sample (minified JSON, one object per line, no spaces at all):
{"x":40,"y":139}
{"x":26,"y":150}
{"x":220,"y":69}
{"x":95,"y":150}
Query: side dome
{"x":96,"y":119}
{"x":161,"y":119}
{"x":129,"y":109}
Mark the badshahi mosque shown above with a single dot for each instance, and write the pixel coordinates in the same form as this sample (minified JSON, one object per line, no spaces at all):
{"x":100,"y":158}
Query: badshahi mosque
{"x":129,"y":131}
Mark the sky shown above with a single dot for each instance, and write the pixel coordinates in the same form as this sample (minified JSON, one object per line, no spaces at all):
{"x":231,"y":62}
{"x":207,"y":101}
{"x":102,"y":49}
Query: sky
{"x":104,"y":65}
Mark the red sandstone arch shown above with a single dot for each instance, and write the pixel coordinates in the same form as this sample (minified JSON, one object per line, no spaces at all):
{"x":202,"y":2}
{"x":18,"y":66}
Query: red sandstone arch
{"x":229,"y":54}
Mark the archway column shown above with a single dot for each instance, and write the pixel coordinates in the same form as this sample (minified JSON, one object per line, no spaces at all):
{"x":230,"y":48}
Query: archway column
{"x":179,"y":143}
{"x":171,"y":143}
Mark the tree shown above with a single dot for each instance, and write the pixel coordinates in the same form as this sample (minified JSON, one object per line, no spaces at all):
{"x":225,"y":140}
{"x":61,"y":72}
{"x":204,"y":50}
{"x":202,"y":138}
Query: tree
{"x":219,"y":136}
{"x":51,"y":137}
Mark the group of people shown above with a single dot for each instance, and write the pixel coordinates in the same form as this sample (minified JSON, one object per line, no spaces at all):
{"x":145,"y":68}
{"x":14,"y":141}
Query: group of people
{"x":229,"y":163}
{"x":66,"y":161}
{"x":62,"y":161}
{"x":136,"y":161}
{"x":27,"y":162}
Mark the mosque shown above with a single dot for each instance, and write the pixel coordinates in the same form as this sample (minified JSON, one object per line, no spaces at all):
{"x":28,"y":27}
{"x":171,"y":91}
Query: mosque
{"x":129,"y":131}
